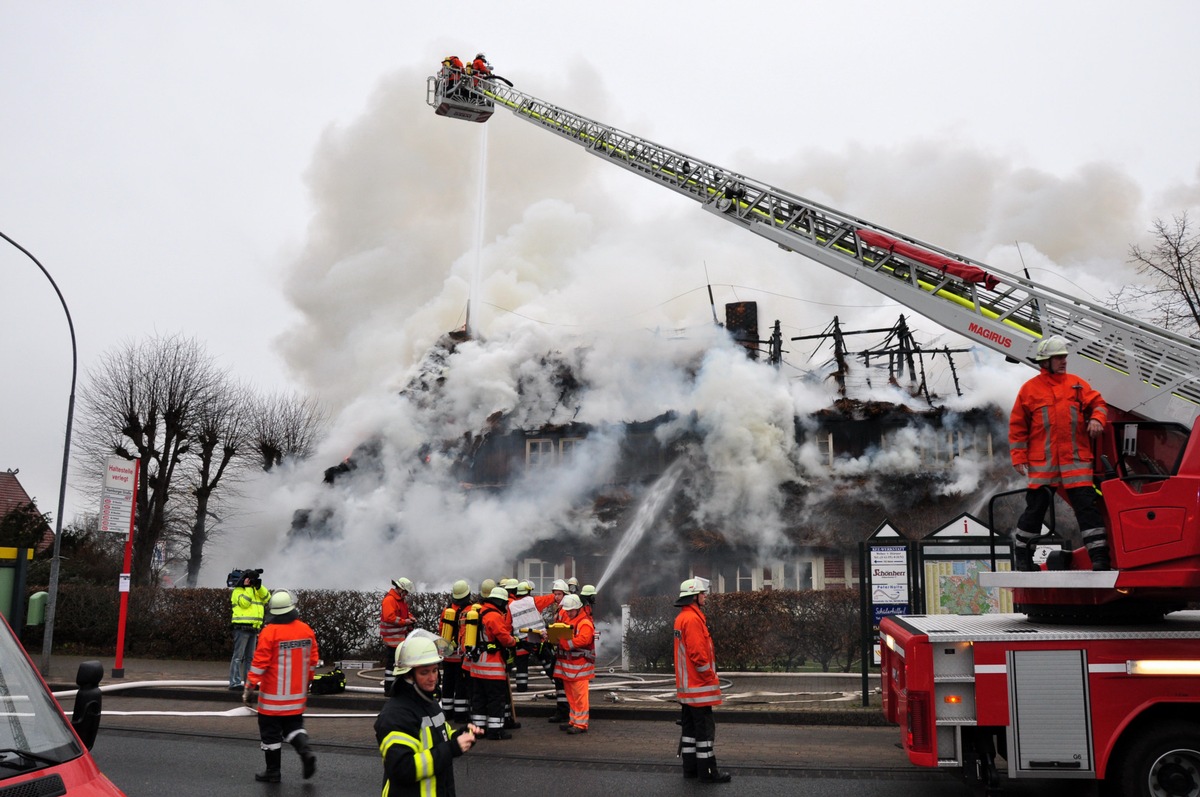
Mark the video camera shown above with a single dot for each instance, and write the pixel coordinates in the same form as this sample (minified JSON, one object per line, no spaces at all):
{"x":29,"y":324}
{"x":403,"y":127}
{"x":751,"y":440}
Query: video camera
{"x":236,"y":577}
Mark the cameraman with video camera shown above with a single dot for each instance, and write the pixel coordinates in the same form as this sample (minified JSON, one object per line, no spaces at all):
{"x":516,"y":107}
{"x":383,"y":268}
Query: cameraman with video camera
{"x":249,"y":600}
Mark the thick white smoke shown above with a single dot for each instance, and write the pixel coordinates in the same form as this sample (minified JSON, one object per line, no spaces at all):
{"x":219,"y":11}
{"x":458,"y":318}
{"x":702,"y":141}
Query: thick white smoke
{"x":586,"y":265}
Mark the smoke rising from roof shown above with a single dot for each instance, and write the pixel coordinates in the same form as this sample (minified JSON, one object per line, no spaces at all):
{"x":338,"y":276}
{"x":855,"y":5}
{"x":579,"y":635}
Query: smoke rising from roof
{"x":587,"y":266}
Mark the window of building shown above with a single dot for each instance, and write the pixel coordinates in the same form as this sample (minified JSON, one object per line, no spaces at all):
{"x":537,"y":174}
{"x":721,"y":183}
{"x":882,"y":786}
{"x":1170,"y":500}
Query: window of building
{"x":824,"y":441}
{"x":796,"y":575}
{"x":567,"y":445}
{"x":539,"y":452}
{"x":540,"y":574}
{"x":744,"y":579}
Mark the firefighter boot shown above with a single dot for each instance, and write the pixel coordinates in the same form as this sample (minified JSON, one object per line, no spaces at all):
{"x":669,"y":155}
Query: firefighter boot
{"x":308,"y":760}
{"x":271,"y":773}
{"x":1022,"y":550}
{"x":687,"y":754}
{"x":710,"y":773}
{"x":1097,"y":547}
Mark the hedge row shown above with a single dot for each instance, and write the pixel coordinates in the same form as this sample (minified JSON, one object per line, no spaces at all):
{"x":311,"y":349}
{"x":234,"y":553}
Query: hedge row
{"x":194,"y":623}
{"x":770,"y":631}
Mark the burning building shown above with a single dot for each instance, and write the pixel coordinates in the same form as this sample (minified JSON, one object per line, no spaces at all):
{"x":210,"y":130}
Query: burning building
{"x":689,"y":457}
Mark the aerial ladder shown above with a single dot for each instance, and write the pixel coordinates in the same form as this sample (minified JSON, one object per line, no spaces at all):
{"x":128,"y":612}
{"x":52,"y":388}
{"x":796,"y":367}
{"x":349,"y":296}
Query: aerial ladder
{"x":1149,"y":376}
{"x":1145,"y":371}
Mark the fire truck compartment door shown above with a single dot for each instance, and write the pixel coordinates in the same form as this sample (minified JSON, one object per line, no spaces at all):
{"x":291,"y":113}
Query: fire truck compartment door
{"x":1050,"y":733}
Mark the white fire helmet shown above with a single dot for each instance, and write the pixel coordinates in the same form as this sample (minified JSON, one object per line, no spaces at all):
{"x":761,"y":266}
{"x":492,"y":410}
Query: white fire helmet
{"x":460,"y":590}
{"x":573,"y":585}
{"x":571,"y":603}
{"x":693,"y":586}
{"x":403,"y":584}
{"x":498,"y":594}
{"x":558,"y":586}
{"x":281,"y":602}
{"x":1052,"y":346}
{"x":419,"y":649}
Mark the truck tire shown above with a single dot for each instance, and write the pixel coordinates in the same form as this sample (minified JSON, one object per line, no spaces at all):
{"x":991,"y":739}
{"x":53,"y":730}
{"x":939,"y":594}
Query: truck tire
{"x":1162,"y":761}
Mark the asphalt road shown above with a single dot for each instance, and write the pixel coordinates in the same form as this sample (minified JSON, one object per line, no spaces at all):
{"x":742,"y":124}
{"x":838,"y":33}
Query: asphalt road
{"x":153,"y":764}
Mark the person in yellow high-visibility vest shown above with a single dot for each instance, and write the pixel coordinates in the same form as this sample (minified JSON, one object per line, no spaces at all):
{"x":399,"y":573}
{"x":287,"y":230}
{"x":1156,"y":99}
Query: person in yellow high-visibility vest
{"x":247,"y":602}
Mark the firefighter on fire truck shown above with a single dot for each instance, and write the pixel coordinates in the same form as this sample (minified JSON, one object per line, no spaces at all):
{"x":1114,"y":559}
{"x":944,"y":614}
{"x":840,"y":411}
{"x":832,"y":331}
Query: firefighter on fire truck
{"x":1054,"y":420}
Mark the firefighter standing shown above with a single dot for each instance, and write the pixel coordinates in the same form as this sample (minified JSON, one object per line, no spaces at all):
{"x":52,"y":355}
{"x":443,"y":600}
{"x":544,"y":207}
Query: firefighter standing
{"x":247,"y":601}
{"x":395,"y":621}
{"x":576,"y":663}
{"x":1054,"y":420}
{"x":489,"y":673}
{"x":417,"y":745}
{"x":480,"y":68}
{"x":523,"y":654}
{"x":696,"y":684}
{"x":452,"y":71}
{"x":588,"y":595}
{"x":282,"y":668}
{"x":456,"y":697}
{"x":549,"y":606}
{"x":510,"y":655}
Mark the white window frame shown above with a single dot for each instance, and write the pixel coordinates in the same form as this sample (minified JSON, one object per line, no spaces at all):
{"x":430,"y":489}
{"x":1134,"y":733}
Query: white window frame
{"x":541,"y":583}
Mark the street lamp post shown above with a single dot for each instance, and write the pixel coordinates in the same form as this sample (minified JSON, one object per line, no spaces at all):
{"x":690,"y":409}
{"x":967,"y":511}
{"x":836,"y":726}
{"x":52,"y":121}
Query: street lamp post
{"x":52,"y":601}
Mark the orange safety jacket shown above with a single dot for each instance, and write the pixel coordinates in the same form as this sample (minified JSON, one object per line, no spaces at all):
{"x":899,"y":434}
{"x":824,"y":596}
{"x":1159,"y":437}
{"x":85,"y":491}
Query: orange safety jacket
{"x":495,"y":632}
{"x":282,"y":667}
{"x":696,"y":682}
{"x":1047,"y":430}
{"x":577,"y":655}
{"x":395,"y":620}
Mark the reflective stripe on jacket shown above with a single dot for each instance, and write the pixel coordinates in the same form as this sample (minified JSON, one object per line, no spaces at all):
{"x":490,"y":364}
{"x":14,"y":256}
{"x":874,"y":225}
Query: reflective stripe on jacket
{"x":1047,"y":429}
{"x":696,"y":681}
{"x":495,"y":632}
{"x":577,"y":655}
{"x":248,"y":605}
{"x":417,"y":745}
{"x":395,"y":620}
{"x":282,"y":667}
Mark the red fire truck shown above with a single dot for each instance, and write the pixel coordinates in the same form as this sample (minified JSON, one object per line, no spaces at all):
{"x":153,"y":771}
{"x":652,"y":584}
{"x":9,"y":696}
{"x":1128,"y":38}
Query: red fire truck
{"x":1097,"y":676}
{"x":41,"y":751}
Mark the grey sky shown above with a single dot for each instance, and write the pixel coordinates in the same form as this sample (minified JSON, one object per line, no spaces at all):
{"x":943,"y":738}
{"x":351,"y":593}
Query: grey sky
{"x":154,"y":156}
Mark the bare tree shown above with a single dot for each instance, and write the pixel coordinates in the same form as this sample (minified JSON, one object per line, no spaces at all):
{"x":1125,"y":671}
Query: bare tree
{"x":286,"y":426}
{"x":221,"y":440}
{"x":143,"y":401}
{"x":1172,"y":299}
